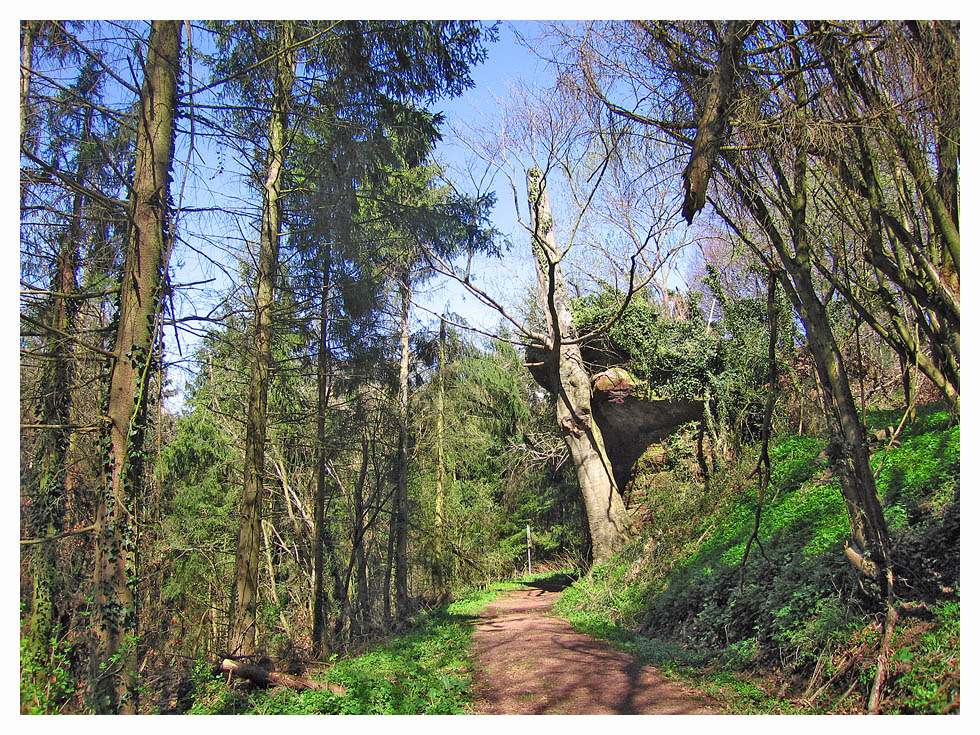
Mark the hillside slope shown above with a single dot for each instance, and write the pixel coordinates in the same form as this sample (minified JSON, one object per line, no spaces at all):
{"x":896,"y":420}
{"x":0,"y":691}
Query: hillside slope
{"x":790,"y":629}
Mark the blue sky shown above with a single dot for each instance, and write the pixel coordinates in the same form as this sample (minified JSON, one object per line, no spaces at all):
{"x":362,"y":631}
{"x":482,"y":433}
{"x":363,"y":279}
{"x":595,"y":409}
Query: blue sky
{"x":214,"y":180}
{"x":511,"y":61}
{"x":508,"y":61}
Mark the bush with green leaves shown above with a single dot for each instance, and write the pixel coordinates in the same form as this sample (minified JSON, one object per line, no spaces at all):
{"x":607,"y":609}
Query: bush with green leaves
{"x":45,"y":697}
{"x":682,"y":356}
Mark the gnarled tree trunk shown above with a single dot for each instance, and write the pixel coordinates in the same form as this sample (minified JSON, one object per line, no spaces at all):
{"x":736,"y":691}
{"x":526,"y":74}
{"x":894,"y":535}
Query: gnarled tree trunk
{"x":604,"y":507}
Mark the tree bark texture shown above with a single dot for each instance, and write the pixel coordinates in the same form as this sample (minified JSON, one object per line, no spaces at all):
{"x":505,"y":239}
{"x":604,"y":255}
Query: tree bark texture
{"x":241,"y":638}
{"x":849,"y":455}
{"x":438,"y":573}
{"x":714,"y":118}
{"x":112,"y":675}
{"x":401,"y":488}
{"x":323,"y":366}
{"x":29,"y":30}
{"x":604,"y":507}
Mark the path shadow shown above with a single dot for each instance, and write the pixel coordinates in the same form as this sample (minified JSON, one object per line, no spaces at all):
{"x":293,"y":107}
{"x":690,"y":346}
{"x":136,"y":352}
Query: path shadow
{"x":537,"y":664}
{"x":555,"y":583}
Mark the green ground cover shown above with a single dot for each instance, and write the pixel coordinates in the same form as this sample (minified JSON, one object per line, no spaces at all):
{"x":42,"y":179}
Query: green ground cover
{"x":768,"y":637}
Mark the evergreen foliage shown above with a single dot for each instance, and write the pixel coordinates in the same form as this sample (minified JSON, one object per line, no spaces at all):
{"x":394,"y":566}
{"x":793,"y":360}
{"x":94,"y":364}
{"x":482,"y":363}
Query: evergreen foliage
{"x":496,"y":488}
{"x":200,"y":469}
{"x":309,"y":147}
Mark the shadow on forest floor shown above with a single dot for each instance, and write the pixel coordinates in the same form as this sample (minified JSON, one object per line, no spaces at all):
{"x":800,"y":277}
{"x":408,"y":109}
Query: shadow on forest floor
{"x":555,"y":583}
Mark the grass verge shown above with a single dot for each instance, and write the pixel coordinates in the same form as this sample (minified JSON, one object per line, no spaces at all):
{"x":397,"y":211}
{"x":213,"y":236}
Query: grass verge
{"x":428,"y":671}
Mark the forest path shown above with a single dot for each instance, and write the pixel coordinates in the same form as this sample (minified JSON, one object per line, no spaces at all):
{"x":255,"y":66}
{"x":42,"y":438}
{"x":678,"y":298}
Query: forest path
{"x":531,"y":662}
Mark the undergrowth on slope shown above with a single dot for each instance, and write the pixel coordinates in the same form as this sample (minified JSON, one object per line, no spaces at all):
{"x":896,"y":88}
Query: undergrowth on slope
{"x":793,"y":631}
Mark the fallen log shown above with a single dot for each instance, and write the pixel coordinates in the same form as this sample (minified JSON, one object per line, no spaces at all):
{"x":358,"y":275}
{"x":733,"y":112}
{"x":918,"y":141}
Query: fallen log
{"x":258,"y":675}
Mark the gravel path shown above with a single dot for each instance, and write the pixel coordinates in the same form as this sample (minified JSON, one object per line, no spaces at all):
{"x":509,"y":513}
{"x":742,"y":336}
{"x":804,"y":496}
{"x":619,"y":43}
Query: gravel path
{"x":530,"y":662}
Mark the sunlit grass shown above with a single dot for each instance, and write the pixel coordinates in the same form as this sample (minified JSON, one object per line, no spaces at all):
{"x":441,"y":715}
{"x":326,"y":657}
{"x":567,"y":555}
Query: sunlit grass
{"x":679,"y":597}
{"x":426,"y":671}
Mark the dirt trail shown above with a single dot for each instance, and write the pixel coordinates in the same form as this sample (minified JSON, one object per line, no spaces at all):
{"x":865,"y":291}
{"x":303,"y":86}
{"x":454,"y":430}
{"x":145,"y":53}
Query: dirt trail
{"x":530,"y":662}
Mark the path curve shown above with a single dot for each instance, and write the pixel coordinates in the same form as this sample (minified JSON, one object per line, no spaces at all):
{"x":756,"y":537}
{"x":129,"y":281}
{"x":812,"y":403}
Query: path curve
{"x":531,"y":662}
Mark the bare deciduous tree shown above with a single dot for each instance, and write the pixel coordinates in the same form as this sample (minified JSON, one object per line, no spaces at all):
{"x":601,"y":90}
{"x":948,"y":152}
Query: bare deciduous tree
{"x":612,"y":233}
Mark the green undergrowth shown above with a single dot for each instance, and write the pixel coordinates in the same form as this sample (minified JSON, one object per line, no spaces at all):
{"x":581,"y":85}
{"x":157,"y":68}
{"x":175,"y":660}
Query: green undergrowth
{"x":426,"y":671}
{"x":793,"y":631}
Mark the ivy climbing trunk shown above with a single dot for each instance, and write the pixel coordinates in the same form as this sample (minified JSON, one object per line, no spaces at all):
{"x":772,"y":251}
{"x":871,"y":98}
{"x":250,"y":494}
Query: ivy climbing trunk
{"x":47,"y":508}
{"x":244,"y":600}
{"x":604,"y":508}
{"x":113,"y":665}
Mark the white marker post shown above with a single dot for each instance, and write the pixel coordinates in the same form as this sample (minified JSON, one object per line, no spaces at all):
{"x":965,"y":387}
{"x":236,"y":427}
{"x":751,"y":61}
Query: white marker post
{"x":528,"y":549}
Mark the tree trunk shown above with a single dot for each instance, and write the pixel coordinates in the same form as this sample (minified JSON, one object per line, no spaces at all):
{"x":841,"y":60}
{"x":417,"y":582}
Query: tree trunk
{"x":438,"y":575}
{"x":868,"y":548}
{"x":606,"y":513}
{"x":848,"y":450}
{"x":48,"y":505}
{"x":262,"y":677}
{"x":926,"y":272}
{"x":29,"y":30}
{"x":401,"y":490}
{"x":322,"y":367}
{"x":389,"y":558}
{"x":241,"y":638}
{"x":112,"y":675}
{"x":359,"y":560}
{"x":714,"y":118}
{"x":848,"y":453}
